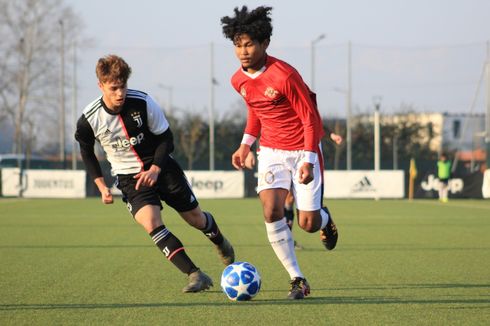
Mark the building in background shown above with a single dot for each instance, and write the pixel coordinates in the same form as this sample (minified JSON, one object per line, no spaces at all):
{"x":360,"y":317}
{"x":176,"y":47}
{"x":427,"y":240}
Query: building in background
{"x":444,"y":131}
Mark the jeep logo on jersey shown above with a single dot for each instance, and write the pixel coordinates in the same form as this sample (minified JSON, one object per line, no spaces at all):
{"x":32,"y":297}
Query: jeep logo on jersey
{"x":123,"y":143}
{"x":137,"y":117}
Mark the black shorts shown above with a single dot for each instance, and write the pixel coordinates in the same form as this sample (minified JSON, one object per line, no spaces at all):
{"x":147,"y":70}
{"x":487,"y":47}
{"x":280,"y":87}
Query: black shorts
{"x":172,"y":188}
{"x":444,"y":181}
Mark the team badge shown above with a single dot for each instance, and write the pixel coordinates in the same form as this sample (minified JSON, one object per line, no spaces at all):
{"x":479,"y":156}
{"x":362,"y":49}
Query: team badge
{"x":266,"y":178}
{"x":269,"y":177}
{"x":271,"y":92}
{"x":137,"y":117}
{"x":243,"y":92}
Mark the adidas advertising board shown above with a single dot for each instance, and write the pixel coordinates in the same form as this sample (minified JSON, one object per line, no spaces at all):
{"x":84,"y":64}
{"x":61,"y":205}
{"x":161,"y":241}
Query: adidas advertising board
{"x":364,"y":184}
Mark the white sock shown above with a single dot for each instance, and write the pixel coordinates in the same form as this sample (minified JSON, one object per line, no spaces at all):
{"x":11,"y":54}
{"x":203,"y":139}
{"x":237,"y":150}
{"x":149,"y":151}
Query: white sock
{"x":325,"y":218}
{"x":281,"y":240}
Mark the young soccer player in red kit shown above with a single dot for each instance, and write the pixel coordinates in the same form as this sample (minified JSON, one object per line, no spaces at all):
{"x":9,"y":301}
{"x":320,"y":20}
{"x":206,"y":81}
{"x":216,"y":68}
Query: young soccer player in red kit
{"x":282,"y":111}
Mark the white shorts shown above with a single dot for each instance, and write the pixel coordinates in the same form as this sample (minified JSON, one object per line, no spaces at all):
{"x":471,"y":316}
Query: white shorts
{"x":279,"y":169}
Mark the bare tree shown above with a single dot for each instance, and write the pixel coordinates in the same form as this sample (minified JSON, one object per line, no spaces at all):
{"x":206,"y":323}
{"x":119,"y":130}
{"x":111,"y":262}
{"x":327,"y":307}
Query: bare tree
{"x":29,"y":70}
{"x":191,"y":132}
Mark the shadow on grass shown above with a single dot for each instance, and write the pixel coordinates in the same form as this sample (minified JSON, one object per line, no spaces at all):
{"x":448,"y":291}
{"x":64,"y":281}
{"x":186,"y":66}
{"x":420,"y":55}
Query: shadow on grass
{"x":411,"y":286}
{"x":113,"y":246}
{"x":75,"y":246}
{"x":333,"y":300}
{"x":394,"y":248}
{"x":380,"y":247}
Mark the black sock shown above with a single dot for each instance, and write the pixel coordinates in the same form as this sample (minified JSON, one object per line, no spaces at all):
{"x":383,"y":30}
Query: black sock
{"x":211,"y":229}
{"x":173,"y":249}
{"x":289,"y":214}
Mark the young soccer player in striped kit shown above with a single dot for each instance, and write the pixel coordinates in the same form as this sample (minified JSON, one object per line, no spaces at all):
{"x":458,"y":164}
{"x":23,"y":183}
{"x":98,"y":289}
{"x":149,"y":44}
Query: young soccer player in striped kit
{"x":136,"y":137}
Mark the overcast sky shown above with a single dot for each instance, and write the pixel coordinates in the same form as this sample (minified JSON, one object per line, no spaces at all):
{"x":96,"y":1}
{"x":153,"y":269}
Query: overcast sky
{"x":427,"y":54}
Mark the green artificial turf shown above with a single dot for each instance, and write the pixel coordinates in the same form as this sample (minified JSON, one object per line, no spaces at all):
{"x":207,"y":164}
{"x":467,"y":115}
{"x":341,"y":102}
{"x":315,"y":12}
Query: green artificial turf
{"x":398,"y":262}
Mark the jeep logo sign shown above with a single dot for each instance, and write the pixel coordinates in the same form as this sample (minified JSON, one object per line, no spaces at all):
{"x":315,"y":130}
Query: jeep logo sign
{"x":217,"y":184}
{"x":433,"y":183}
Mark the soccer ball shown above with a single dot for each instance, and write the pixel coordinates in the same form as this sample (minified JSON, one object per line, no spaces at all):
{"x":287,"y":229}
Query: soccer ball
{"x":240,"y":281}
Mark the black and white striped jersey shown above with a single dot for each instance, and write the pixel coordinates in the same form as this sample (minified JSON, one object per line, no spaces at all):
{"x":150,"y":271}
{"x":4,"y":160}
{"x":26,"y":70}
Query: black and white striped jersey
{"x":129,"y":138}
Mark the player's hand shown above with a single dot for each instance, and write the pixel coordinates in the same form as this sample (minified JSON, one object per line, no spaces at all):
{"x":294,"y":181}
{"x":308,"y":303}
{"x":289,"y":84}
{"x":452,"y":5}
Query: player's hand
{"x":250,"y":160}
{"x":238,"y":158}
{"x":337,"y":139}
{"x":105,"y":192}
{"x":147,"y":178}
{"x":106,"y":196}
{"x":305,"y":173}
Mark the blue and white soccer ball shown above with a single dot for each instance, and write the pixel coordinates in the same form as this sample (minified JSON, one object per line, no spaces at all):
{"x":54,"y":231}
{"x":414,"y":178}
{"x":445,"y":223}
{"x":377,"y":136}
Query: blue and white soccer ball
{"x":240,"y":281}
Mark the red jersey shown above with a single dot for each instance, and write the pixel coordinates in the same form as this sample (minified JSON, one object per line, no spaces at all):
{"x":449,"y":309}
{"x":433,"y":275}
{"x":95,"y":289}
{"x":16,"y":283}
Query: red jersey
{"x":281,"y":107}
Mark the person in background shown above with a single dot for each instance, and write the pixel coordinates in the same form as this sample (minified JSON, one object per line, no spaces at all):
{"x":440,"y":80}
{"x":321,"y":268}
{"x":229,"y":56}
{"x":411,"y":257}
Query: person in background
{"x":443,"y":174}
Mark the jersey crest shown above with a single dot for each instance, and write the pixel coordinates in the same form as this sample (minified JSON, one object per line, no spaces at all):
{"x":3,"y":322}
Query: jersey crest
{"x":137,"y":117}
{"x":271,"y":92}
{"x":243,"y":92}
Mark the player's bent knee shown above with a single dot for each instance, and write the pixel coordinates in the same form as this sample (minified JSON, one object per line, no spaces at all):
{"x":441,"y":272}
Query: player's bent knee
{"x":273,"y":214}
{"x":149,"y":217}
{"x":309,"y":222}
{"x":307,"y":226}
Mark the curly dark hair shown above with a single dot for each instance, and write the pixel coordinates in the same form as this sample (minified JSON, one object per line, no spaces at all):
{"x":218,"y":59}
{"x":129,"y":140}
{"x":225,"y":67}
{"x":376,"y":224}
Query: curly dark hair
{"x":255,"y":23}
